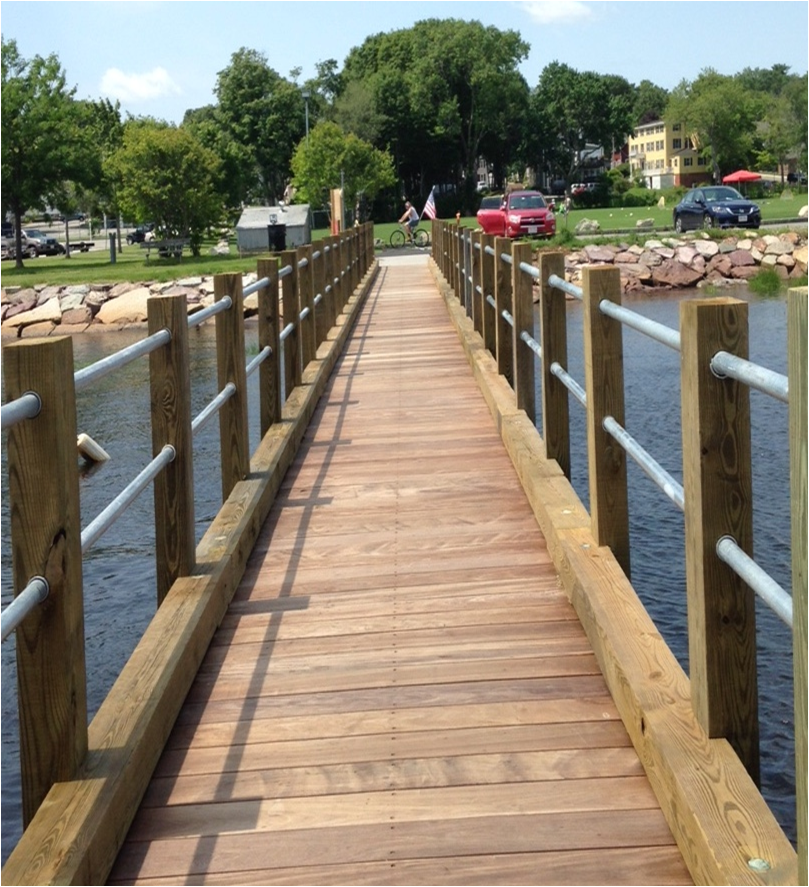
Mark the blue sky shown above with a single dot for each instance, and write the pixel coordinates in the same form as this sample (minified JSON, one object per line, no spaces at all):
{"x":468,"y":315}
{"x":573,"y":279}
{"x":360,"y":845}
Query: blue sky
{"x":160,"y":58}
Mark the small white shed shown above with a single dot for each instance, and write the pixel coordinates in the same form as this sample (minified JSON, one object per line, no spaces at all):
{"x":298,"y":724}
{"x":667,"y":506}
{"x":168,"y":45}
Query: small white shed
{"x":254,"y":231}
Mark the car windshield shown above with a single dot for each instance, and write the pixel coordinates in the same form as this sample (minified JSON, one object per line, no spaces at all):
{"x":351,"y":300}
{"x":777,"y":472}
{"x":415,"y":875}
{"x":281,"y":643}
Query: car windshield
{"x":716,"y":195}
{"x":528,"y":201}
{"x":33,"y":232}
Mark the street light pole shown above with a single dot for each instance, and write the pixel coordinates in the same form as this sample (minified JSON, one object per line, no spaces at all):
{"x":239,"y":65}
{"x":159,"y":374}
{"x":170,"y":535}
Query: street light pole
{"x":306,"y":111}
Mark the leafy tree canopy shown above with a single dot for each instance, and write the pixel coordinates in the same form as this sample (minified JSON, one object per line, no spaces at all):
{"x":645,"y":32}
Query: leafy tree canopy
{"x":44,"y":140}
{"x":722,"y":114}
{"x":330,"y":158}
{"x":164,"y":175}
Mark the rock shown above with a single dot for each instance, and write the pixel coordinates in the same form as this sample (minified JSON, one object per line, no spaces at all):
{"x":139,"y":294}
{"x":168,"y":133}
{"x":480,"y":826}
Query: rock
{"x":786,"y":261}
{"x":665,"y":252}
{"x":120,"y":289}
{"x":801,"y":256}
{"x":635,"y":249}
{"x":743,"y":272}
{"x":626,"y":258}
{"x":769,"y":261}
{"x":728,"y":246}
{"x":653,"y":244}
{"x":128,"y":308}
{"x":78,"y":290}
{"x":685,"y":254}
{"x":70,"y":301}
{"x":720,"y":264}
{"x":645,"y":223}
{"x":661,"y":203}
{"x":745,"y":243}
{"x":599,"y":254}
{"x":672,"y":273}
{"x":781,"y":271}
{"x":587,"y":226}
{"x":50,"y":312}
{"x":778,"y":248}
{"x":706,"y":248}
{"x":651,"y":258}
{"x":37,"y":330}
{"x":698,"y":264}
{"x":81,"y":315}
{"x":741,"y":257}
{"x":756,"y":254}
{"x":803,"y":212}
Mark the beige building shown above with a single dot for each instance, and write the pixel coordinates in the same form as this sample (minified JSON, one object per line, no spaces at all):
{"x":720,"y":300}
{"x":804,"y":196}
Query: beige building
{"x":664,"y":156}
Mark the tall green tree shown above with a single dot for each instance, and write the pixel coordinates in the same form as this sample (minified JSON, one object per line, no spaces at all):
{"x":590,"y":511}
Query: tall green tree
{"x":164,"y":174}
{"x":43,"y":141}
{"x":650,"y":102}
{"x":571,"y":109}
{"x":444,"y":91}
{"x":722,"y":114}
{"x":331,"y":158}
{"x":264,"y":114}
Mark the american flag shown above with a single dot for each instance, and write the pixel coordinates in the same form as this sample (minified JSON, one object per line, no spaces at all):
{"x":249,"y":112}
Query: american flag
{"x":429,"y":207}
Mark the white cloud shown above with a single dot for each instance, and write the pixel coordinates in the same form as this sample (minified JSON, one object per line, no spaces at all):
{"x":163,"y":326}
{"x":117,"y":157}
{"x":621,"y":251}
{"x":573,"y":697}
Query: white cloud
{"x":138,"y":87}
{"x":547,"y":12}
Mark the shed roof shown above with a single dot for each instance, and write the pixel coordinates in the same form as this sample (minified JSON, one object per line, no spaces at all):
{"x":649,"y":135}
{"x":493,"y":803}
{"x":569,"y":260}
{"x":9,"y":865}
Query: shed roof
{"x":260,"y":216}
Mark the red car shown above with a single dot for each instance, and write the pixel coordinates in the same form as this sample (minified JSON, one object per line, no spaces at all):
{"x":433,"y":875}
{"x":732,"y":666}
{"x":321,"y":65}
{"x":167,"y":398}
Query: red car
{"x":521,"y":213}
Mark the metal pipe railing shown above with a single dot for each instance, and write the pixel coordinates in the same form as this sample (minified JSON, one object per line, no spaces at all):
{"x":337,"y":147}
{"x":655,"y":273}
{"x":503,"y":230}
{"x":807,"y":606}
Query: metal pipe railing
{"x":756,"y":376}
{"x":26,"y":406}
{"x":779,"y":601}
{"x":84,"y":377}
{"x":212,"y":310}
{"x":213,"y":407}
{"x":35,"y":593}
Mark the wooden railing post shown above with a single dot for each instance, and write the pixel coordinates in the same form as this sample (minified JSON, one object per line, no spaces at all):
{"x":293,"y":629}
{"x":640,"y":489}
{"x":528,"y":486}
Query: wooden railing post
{"x":487,"y":283}
{"x":476,"y":285}
{"x":502,"y":296}
{"x":234,"y":440}
{"x":717,"y":485}
{"x":522,"y":286}
{"x":289,"y":295}
{"x":555,"y":400}
{"x":170,"y":387}
{"x":604,"y":374}
{"x":798,"y":317}
{"x":269,"y":331}
{"x":46,"y":541}
{"x":463,"y":235}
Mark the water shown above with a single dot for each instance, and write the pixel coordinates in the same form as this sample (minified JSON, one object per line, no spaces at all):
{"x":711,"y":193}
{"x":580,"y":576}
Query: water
{"x":119,"y":571}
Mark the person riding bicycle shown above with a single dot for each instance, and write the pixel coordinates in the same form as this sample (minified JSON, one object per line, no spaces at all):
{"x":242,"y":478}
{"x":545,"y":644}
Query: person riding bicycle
{"x":410,"y":217}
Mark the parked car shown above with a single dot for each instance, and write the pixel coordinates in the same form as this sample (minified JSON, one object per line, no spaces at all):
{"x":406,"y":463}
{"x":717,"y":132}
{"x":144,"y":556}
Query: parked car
{"x":44,"y":244}
{"x":717,"y":206}
{"x":489,"y":205}
{"x":138,"y":235}
{"x":519,"y":213}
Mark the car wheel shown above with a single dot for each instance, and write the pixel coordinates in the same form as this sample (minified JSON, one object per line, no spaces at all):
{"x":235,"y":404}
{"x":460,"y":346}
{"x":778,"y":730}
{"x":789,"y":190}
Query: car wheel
{"x":31,"y":252}
{"x":678,"y":225}
{"x":707,"y":222}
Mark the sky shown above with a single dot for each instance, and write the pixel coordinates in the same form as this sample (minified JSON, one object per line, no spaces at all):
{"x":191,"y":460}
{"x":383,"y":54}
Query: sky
{"x":161,"y":57}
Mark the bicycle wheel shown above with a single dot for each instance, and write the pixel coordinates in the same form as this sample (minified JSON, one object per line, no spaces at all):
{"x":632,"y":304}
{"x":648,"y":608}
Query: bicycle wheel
{"x":422,"y":237}
{"x":397,"y":238}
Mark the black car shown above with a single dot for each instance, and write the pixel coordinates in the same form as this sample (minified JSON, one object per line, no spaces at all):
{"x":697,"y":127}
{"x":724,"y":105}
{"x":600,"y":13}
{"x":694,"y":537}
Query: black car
{"x":716,"y":206}
{"x":138,"y":235}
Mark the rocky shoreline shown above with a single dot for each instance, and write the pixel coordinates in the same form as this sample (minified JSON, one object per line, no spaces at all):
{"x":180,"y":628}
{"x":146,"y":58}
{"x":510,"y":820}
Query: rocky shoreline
{"x":660,"y":264}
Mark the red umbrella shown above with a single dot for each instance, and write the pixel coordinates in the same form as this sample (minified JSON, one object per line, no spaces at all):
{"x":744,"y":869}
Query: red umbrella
{"x":741,"y":175}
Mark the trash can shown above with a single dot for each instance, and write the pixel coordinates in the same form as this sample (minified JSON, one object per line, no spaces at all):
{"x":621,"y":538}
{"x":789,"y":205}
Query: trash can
{"x":277,"y":236}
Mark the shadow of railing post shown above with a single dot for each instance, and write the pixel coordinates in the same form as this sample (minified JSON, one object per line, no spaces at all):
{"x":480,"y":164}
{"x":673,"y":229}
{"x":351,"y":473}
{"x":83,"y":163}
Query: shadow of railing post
{"x":269,"y":335}
{"x":170,"y":397}
{"x":292,"y":310}
{"x":234,"y":441}
{"x":717,"y":482}
{"x":46,"y":541}
{"x":502,"y":298}
{"x":797,"y":324}
{"x":553,"y":341}
{"x":604,"y":384}
{"x":306,"y":300}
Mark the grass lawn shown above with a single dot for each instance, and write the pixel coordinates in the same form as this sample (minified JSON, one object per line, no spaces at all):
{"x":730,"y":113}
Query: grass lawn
{"x":131,"y":264}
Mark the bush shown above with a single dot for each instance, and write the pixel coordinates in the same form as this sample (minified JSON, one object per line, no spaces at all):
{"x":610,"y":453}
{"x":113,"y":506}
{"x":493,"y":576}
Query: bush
{"x":640,"y":197}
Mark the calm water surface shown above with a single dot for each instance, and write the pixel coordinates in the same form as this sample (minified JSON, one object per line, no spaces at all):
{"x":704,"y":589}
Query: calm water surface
{"x":119,"y":570}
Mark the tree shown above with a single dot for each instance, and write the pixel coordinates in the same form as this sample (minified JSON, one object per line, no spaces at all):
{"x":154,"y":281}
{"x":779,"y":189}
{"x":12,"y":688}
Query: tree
{"x":571,"y":109}
{"x":331,"y":157}
{"x":164,"y":174}
{"x":650,"y":103}
{"x":721,"y":114}
{"x":264,"y":114}
{"x":43,"y":141}
{"x":445,"y":91}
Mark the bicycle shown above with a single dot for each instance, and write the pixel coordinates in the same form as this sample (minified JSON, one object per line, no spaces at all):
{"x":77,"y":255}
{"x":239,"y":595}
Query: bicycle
{"x":398,"y":238}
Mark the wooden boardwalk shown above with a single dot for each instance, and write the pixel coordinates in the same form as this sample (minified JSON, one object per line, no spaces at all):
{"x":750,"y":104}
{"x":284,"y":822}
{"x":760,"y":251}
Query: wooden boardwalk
{"x":400,"y":691}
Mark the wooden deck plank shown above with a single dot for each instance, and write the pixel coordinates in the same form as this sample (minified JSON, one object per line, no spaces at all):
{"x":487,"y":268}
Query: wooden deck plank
{"x":400,"y":692}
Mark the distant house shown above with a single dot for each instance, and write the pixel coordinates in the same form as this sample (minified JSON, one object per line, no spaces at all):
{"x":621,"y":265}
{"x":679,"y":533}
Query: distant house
{"x":665,"y":156}
{"x":263,"y":228}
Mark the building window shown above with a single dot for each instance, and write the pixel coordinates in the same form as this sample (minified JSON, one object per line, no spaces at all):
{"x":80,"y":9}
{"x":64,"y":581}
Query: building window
{"x":700,"y":161}
{"x":688,"y":161}
{"x":676,"y":127}
{"x":676,"y":161}
{"x":676,"y":144}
